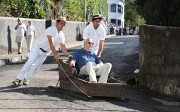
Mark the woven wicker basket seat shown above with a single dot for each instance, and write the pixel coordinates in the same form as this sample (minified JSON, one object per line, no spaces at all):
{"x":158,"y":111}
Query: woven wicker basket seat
{"x":68,"y":80}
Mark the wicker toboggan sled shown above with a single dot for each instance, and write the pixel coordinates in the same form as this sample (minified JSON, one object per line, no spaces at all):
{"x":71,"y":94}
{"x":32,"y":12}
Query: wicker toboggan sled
{"x":113,"y":87}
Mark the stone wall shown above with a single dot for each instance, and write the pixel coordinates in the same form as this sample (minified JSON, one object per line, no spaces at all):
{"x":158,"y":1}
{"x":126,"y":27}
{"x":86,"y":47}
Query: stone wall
{"x":8,"y":33}
{"x":160,"y":59}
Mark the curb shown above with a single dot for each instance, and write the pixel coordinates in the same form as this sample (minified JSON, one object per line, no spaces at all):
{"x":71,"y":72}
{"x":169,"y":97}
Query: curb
{"x":13,"y":59}
{"x":167,"y":103}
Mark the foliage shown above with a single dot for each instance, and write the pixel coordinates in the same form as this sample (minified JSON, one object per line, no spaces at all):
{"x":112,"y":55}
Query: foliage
{"x":160,"y":12}
{"x":22,"y":8}
{"x":33,"y":10}
{"x":132,"y":17}
{"x":49,"y":9}
{"x":75,"y":8}
{"x":13,"y":7}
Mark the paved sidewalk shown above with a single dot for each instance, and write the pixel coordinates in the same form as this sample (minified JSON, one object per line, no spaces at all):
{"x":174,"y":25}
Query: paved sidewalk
{"x":14,"y":57}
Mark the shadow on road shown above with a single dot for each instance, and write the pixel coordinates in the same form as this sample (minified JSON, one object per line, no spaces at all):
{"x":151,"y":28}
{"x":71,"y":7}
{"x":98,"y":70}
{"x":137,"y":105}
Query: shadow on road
{"x":66,"y":95}
{"x":52,"y":92}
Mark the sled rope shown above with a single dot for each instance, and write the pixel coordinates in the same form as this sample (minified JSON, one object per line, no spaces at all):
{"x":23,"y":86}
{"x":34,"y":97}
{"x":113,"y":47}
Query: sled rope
{"x":71,"y":81}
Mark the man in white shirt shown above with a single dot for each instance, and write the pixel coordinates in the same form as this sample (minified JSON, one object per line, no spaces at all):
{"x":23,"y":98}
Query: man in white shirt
{"x":21,"y":29}
{"x":44,"y":45}
{"x":97,"y":33}
{"x":30,"y":35}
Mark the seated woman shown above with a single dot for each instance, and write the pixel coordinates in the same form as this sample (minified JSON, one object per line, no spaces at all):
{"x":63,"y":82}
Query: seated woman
{"x":89,"y":63}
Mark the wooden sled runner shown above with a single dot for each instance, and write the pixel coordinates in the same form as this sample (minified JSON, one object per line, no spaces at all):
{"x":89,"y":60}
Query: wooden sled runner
{"x":113,"y":88}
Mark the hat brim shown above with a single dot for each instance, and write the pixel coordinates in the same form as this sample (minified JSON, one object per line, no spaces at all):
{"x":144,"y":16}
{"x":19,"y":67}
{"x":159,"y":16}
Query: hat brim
{"x":61,"y":19}
{"x":97,"y":18}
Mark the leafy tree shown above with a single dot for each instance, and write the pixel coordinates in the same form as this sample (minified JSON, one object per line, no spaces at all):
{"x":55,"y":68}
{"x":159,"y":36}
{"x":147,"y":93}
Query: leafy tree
{"x":132,"y":17}
{"x":22,"y":8}
{"x":160,"y":12}
{"x":13,"y":7}
{"x":49,"y":9}
{"x":34,"y":10}
{"x":75,"y":8}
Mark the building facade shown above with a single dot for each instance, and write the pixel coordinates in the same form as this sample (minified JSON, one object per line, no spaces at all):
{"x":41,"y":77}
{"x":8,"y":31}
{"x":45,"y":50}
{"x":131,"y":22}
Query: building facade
{"x":116,"y":12}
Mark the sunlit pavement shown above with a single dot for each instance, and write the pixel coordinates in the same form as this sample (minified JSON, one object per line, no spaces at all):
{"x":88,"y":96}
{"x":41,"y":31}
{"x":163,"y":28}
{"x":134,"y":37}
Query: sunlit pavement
{"x":121,"y":51}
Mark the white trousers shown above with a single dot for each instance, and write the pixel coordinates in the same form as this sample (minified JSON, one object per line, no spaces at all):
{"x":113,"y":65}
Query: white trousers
{"x":29,"y":41}
{"x":34,"y":62}
{"x":103,"y":72}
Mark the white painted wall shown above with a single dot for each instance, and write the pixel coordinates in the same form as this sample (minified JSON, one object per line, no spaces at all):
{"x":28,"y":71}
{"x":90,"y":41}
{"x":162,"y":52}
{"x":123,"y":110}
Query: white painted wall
{"x":8,"y":33}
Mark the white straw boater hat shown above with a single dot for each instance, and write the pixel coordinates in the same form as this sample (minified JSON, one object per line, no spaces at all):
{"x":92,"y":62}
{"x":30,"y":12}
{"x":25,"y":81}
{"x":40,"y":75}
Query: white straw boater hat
{"x":97,"y":16}
{"x":61,"y":18}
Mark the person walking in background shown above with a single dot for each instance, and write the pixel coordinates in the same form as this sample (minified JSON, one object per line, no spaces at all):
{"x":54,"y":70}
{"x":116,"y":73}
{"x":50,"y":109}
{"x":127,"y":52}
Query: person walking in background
{"x":127,"y":30}
{"x":111,"y":28}
{"x":30,"y":35}
{"x":21,"y":31}
{"x":42,"y":48}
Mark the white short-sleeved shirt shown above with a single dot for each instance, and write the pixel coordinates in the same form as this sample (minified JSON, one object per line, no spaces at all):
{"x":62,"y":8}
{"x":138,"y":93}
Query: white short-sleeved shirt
{"x":21,"y":30}
{"x":52,"y":31}
{"x":95,"y":34}
{"x":30,"y":30}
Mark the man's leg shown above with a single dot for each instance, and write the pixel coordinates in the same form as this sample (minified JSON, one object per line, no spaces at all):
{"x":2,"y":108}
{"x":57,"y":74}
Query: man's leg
{"x":103,"y":72}
{"x":17,"y":41}
{"x":19,"y":47}
{"x":32,"y":58}
{"x":89,"y":70}
{"x":20,"y":44}
{"x":27,"y":42}
{"x":35,"y":66}
{"x":30,"y":41}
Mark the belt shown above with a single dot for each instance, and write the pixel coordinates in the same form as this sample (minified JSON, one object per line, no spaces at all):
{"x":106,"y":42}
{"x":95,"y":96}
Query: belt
{"x":42,"y":50}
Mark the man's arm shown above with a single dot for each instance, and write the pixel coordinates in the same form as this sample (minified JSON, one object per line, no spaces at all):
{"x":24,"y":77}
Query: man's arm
{"x":97,"y":61}
{"x":64,"y":49}
{"x":34,"y":35}
{"x":101,"y":44}
{"x":51,"y":44}
{"x":34,"y":32}
{"x":25,"y":34}
{"x":16,"y":27}
{"x":25,"y":30}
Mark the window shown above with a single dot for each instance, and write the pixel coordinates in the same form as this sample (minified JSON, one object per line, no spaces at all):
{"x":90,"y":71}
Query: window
{"x":119,"y":9}
{"x":113,"y":21}
{"x":119,"y":22}
{"x":113,"y":7}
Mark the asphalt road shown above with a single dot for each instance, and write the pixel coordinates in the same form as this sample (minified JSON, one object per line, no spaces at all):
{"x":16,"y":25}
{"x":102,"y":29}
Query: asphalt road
{"x":122,"y":52}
